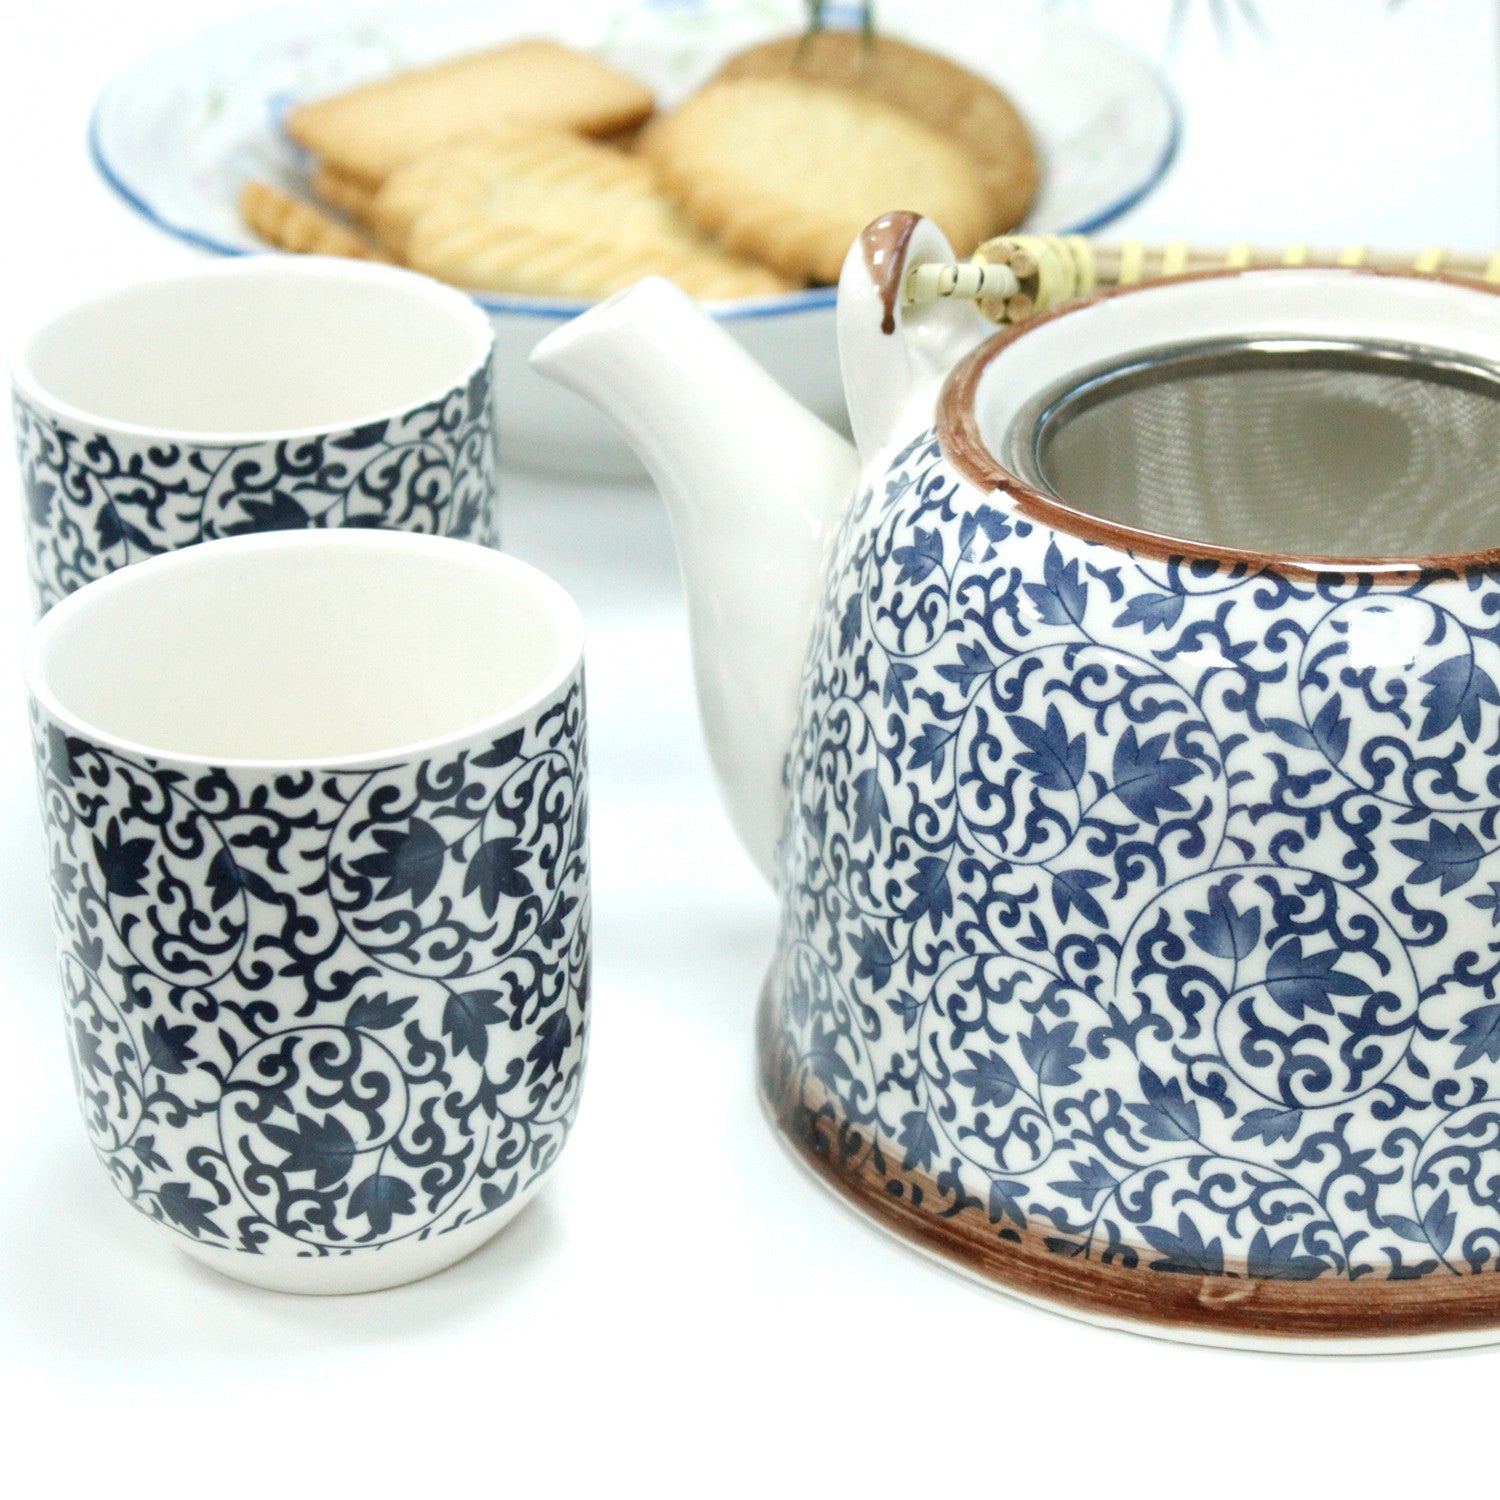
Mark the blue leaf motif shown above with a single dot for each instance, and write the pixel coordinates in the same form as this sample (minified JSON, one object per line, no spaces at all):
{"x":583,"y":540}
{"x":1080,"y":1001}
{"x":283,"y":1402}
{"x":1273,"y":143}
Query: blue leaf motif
{"x":1151,"y":612}
{"x":326,"y":1150}
{"x":553,"y":1037}
{"x":502,"y":751}
{"x":1006,"y":1198}
{"x":186,"y":1211}
{"x":39,"y":495}
{"x":1185,"y":1251}
{"x":169,"y":1048}
{"x":1070,"y":888}
{"x":1480,"y":1036}
{"x":377,"y":1012}
{"x":1330,"y":730}
{"x":849,"y":623}
{"x":908,"y":1007}
{"x":1144,"y":781}
{"x":123,"y":862}
{"x":986,"y":519}
{"x":989,"y":1079}
{"x":226,"y":879}
{"x":1269,"y":1125}
{"x":1437,"y":1223}
{"x":973,"y":663}
{"x":1090,"y":1179}
{"x":1278,"y":1262}
{"x":1456,"y":689}
{"x":1292,"y":733}
{"x":870,"y":810}
{"x":918,"y":1139}
{"x":931,"y":896}
{"x":1299,"y":982}
{"x":1054,"y":761}
{"x":380,"y":1199}
{"x":919,"y":559}
{"x":495,"y":871}
{"x":875,"y":959}
{"x":827,"y":1062}
{"x":930,"y":748}
{"x":467,"y":1019}
{"x":1061,"y":600}
{"x":277,"y":512}
{"x":1166,"y":1115}
{"x":1489,"y":903}
{"x":410,"y":861}
{"x":1051,"y":1055}
{"x":896,"y":678}
{"x":1450,"y":856}
{"x":1223,"y":931}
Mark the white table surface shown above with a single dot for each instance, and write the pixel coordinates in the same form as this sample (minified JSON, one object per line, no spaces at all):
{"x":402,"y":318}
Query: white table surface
{"x":681,"y":1311}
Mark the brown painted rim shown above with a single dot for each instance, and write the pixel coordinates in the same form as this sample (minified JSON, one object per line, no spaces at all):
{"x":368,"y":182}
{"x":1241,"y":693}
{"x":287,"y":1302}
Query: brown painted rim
{"x":1234,"y":1305}
{"x":965,"y":448}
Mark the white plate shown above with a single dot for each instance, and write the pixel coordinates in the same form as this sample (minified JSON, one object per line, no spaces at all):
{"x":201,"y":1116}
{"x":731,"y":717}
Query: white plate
{"x":176,"y":133}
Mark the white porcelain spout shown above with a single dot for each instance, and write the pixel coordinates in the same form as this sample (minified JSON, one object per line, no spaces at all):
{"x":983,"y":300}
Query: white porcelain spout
{"x":754,"y":485}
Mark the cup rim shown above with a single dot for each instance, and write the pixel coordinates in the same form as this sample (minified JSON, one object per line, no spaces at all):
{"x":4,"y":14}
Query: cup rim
{"x":965,"y":447}
{"x":442,"y":298}
{"x":561,"y":606}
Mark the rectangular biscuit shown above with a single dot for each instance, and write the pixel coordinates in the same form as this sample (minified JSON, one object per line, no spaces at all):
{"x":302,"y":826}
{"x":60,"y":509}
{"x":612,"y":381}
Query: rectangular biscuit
{"x":370,"y":131}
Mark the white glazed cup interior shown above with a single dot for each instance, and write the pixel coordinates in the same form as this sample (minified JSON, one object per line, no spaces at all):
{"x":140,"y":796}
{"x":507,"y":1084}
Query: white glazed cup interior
{"x":305,"y":648}
{"x":266,"y":346}
{"x":1352,"y":454}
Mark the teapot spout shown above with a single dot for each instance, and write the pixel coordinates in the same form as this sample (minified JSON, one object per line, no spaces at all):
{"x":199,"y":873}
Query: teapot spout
{"x":755,"y":486}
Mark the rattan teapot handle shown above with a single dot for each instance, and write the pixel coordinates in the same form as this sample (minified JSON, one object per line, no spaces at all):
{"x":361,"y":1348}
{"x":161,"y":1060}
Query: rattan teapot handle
{"x":1014,"y":276}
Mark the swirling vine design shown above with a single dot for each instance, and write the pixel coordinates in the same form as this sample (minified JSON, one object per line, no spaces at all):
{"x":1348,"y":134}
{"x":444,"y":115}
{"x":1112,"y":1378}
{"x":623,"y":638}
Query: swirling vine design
{"x":316,"y":1012}
{"x":95,"y":501}
{"x":1151,"y":906}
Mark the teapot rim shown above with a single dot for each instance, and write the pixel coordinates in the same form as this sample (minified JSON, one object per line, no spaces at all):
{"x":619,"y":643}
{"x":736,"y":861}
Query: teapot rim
{"x":964,"y":446}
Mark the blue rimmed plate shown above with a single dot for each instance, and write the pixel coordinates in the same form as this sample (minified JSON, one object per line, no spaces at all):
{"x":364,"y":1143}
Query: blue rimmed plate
{"x":176,"y":133}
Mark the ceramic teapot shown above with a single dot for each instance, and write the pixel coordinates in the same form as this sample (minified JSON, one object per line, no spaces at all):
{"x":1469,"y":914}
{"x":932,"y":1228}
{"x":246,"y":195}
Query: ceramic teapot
{"x":1137,"y":832}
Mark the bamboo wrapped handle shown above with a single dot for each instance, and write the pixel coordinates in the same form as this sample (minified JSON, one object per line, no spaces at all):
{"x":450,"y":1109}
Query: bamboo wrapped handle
{"x":1017,"y":275}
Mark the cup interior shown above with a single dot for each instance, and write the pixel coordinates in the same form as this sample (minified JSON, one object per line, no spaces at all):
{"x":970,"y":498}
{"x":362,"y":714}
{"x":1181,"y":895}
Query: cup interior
{"x":304,"y":647}
{"x":272,"y":346}
{"x":1293,"y":413}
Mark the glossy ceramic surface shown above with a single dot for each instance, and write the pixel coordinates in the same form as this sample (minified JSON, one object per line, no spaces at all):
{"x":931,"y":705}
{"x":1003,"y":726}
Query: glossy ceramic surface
{"x":1138,"y":893}
{"x":176,"y":133}
{"x":327,"y":1012}
{"x":252,"y":396}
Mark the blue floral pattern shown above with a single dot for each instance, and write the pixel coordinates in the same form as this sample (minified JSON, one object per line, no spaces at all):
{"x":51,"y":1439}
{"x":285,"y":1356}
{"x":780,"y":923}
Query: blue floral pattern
{"x":314,"y":1013}
{"x":1153,"y":908}
{"x":95,"y":502}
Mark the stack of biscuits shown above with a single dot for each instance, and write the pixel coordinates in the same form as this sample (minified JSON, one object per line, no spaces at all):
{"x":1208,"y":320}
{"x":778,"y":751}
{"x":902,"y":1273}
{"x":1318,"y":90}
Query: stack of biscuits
{"x":534,"y":168}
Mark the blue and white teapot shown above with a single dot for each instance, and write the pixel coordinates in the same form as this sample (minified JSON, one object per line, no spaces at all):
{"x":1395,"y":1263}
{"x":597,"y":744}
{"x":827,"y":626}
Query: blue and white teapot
{"x":1126,"y":752}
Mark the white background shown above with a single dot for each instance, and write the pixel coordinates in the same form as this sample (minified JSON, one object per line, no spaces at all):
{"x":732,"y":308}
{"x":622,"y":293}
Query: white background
{"x":681,"y":1311}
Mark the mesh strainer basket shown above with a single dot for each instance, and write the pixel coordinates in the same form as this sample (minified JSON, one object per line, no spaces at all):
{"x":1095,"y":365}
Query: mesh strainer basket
{"x":1294,"y":441}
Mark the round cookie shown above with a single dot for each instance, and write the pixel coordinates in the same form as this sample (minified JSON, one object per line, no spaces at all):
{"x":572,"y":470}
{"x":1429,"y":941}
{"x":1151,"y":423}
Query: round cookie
{"x":934,"y":89}
{"x":788,"y":172}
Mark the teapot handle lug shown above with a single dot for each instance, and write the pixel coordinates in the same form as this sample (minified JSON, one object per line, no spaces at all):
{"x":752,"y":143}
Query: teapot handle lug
{"x":895,"y":357}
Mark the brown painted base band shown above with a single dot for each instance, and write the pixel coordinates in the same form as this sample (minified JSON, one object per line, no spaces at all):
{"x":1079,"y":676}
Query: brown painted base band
{"x":1229,"y":1306}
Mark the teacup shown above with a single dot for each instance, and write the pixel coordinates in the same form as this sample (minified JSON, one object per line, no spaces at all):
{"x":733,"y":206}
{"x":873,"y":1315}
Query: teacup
{"x":271,"y":393}
{"x":319,"y":872}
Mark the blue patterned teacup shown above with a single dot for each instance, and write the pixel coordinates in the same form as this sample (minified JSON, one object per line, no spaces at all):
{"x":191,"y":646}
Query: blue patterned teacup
{"x":270,"y":393}
{"x":316,"y":813}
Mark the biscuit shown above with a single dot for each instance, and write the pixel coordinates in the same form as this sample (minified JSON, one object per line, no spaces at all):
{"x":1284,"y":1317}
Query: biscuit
{"x":290,"y":224}
{"x":549,"y":214}
{"x":370,"y":131}
{"x":788,"y":173}
{"x":930,"y":87}
{"x":346,"y":195}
